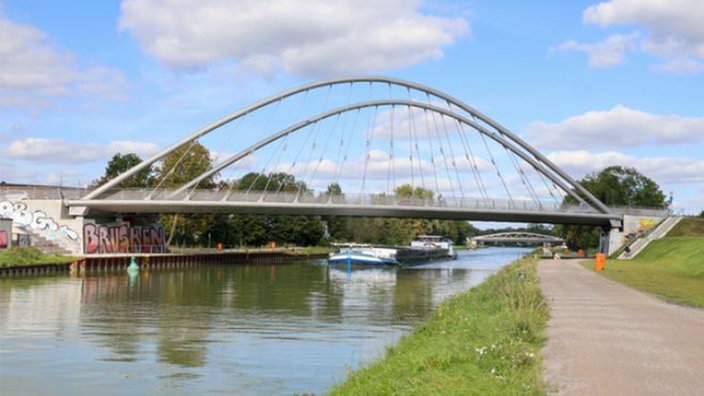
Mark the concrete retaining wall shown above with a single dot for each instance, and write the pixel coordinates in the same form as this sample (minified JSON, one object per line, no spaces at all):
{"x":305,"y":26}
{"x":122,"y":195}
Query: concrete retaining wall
{"x":633,"y":226}
{"x":44,"y":220}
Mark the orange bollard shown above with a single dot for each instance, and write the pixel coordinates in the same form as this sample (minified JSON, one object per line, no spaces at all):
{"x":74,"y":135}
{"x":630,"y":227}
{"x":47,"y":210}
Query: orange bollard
{"x":599,"y":262}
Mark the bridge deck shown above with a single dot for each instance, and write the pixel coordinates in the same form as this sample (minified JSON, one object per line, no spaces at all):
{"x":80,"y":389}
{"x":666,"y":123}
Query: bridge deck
{"x":450,"y":208}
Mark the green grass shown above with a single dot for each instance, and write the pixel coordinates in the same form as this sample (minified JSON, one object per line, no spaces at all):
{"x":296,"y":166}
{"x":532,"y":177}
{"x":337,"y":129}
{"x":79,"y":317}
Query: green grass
{"x":689,"y":226}
{"x":671,"y":268}
{"x":310,"y":250}
{"x":484,"y":342}
{"x":30,"y":256}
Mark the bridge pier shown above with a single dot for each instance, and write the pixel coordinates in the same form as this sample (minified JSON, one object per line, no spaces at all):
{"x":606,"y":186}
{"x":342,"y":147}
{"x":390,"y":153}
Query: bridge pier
{"x":634,"y":225}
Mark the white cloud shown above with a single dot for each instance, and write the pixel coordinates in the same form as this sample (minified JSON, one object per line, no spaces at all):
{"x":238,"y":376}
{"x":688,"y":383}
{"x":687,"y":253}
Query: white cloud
{"x":606,"y":54}
{"x":675,"y":26}
{"x":34,"y":70}
{"x":65,"y":152}
{"x":312,"y":37}
{"x":672,"y":31}
{"x":380,"y":165}
{"x":680,"y":65}
{"x":618,"y":127}
{"x":414,"y":124}
{"x":680,"y":175}
{"x":324,"y":168}
{"x":670,"y":170}
{"x":692,"y":204}
{"x":127,"y":146}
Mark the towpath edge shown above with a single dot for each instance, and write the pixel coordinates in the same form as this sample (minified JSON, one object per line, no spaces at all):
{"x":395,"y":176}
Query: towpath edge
{"x":604,"y":338}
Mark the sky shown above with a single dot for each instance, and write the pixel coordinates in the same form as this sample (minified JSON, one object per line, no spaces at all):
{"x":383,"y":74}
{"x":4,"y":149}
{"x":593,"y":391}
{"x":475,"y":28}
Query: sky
{"x":589,"y":84}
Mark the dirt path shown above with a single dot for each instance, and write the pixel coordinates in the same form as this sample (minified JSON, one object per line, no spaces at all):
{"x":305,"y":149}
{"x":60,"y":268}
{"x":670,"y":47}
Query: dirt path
{"x":607,"y":339}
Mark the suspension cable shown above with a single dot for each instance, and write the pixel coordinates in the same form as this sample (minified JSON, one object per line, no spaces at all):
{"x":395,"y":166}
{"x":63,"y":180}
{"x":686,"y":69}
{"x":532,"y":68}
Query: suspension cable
{"x":471,"y":160}
{"x":496,"y":166}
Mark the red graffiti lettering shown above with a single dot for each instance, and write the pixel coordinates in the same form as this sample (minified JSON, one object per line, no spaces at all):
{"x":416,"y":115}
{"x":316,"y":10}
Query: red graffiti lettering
{"x":104,"y":241}
{"x":90,"y":238}
{"x":124,"y":241}
{"x":123,"y":238}
{"x":135,"y":239}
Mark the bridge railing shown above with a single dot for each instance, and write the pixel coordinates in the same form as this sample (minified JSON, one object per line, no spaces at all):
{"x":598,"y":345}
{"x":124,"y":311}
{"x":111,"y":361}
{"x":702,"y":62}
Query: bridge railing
{"x":325,"y":198}
{"x":639,"y":211}
{"x":19,"y":192}
{"x":342,"y":199}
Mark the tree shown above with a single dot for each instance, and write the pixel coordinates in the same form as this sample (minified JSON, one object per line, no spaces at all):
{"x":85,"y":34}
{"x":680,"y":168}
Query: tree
{"x":334,"y":189}
{"x":259,"y":230}
{"x":221,"y":230}
{"x":540,"y":229}
{"x":299,"y":230}
{"x":176,"y":169}
{"x":119,"y":164}
{"x":338,"y":227}
{"x":282,"y":182}
{"x":185,"y":164}
{"x":619,"y":186}
{"x":408,"y":191}
{"x":614,"y":186}
{"x":396,"y":231}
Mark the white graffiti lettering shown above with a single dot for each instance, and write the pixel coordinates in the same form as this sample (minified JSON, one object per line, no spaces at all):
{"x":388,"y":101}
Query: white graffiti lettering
{"x":37,"y":221}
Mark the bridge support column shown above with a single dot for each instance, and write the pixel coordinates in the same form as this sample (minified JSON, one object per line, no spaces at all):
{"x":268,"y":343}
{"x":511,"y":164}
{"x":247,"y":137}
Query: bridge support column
{"x":604,"y":241}
{"x":614,"y":241}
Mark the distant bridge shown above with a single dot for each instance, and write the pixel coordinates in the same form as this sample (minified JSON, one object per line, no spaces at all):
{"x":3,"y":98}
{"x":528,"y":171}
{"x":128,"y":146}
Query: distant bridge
{"x":368,"y":136}
{"x":516,"y":237}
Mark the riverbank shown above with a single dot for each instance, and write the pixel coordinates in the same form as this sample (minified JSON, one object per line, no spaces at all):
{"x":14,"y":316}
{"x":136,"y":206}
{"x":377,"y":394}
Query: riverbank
{"x":31,"y":261}
{"x":669,"y":268}
{"x":30,"y":256}
{"x":483,"y":342}
{"x":605,"y":338}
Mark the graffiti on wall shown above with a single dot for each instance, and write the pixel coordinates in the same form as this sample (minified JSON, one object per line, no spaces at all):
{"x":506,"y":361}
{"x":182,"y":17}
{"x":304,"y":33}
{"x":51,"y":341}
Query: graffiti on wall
{"x":5,"y":233}
{"x":23,"y":240}
{"x":645,"y":224}
{"x":38,"y":222}
{"x":123,"y":238}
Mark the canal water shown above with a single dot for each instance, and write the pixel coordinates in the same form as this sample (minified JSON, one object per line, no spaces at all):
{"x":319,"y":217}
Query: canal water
{"x":217,"y":330}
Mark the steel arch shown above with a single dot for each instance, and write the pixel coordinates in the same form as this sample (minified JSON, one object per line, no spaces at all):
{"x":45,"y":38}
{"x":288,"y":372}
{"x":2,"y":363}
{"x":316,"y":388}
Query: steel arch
{"x":450,"y":100}
{"x":378,"y":103}
{"x":517,"y":236}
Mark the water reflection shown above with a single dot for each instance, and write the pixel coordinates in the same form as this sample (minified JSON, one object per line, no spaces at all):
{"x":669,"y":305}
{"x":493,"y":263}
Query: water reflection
{"x":278,"y":329}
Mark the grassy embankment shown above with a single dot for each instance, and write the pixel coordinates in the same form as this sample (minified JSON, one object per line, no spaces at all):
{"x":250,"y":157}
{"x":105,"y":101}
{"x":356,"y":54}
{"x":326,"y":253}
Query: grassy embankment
{"x":484,"y":342}
{"x":671,"y":267}
{"x":30,"y":256}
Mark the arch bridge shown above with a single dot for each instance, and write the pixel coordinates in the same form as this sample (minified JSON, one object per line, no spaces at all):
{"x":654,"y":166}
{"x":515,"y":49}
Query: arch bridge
{"x":516,"y":237}
{"x":357,"y":146}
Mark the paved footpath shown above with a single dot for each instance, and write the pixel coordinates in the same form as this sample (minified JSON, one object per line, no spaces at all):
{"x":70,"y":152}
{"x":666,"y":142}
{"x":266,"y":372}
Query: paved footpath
{"x":607,"y":339}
